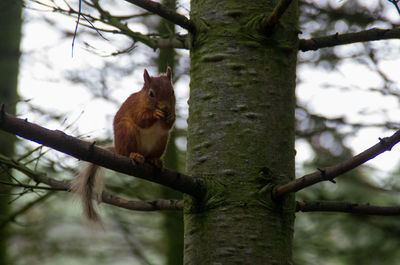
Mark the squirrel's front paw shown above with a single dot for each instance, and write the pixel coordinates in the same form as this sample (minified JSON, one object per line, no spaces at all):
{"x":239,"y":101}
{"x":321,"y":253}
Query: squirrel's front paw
{"x":159,"y":114}
{"x":156,"y":161}
{"x":170,"y":118}
{"x":137,"y":157}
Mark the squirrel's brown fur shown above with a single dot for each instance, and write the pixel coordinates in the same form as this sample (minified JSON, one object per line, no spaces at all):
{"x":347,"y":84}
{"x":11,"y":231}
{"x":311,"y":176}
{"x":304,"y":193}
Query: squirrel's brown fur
{"x":141,"y":131}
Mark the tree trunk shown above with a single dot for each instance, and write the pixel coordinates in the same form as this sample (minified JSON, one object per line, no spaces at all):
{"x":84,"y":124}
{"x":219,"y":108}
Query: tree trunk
{"x":241,"y":133}
{"x":10,"y":26}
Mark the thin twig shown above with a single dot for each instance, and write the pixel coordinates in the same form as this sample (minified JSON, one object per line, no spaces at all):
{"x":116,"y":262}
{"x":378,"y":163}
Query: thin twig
{"x":332,"y":172}
{"x":93,"y":27}
{"x":154,"y":42}
{"x":26,"y":186}
{"x":347,"y":207}
{"x":76,"y":27}
{"x":395,"y":3}
{"x":77,"y":24}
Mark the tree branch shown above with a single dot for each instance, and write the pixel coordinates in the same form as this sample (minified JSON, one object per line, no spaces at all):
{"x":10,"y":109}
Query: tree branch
{"x":347,"y":207}
{"x":156,"y":205}
{"x":176,"y":41}
{"x":395,"y":3}
{"x":341,"y":39}
{"x":332,"y":172}
{"x":160,"y":204}
{"x":274,"y":17}
{"x":164,"y":12}
{"x":82,"y":150}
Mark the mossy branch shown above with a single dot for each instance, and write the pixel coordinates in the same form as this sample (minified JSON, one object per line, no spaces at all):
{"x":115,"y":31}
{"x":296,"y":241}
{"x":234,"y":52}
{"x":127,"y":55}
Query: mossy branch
{"x":89,"y":152}
{"x":348,"y":38}
{"x":329,"y":173}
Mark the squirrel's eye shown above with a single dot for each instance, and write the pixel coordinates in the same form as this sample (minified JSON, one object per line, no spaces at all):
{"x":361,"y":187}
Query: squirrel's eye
{"x":151,"y":94}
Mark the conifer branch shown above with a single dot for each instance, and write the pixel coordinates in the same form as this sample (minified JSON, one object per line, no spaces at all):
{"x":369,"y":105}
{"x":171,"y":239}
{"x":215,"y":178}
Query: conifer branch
{"x":89,"y":152}
{"x":348,"y":38}
{"x":329,"y":173}
{"x":347,"y":207}
{"x":164,"y":12}
{"x":57,"y":185}
{"x":28,"y":187}
{"x":174,"y":41}
{"x":11,"y":217}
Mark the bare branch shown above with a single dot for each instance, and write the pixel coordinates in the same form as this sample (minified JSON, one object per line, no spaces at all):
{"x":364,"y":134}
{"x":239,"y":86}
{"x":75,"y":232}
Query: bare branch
{"x":82,"y":150}
{"x":146,"y":206}
{"x":332,"y":172}
{"x":346,"y":207}
{"x":274,"y":17}
{"x":164,"y":12}
{"x":108,"y":198}
{"x":395,"y":3}
{"x":160,"y":204}
{"x":341,"y":39}
{"x":175,"y":41}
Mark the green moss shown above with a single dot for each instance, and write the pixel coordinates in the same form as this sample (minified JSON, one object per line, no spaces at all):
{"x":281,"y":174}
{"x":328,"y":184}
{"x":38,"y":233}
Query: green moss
{"x":214,"y":57}
{"x":215,"y":196}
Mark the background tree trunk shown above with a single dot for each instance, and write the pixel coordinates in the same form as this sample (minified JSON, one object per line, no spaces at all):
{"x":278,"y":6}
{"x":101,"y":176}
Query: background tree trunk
{"x":10,"y":25}
{"x":241,"y":133}
{"x":173,"y":221}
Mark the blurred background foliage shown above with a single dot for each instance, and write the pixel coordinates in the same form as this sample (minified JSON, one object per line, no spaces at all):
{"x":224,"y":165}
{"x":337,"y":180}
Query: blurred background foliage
{"x":45,"y":227}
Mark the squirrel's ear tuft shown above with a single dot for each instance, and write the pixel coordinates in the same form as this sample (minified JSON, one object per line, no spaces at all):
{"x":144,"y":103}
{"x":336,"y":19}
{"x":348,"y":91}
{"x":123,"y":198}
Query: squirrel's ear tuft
{"x":169,"y":73}
{"x":146,"y":76}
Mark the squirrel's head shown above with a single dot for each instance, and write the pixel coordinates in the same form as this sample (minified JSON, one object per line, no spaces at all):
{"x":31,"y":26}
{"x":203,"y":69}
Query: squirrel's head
{"x":158,"y":90}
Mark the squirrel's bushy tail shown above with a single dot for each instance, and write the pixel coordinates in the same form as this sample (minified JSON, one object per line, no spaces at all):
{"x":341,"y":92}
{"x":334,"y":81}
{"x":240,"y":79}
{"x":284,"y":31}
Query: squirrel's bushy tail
{"x":88,"y":185}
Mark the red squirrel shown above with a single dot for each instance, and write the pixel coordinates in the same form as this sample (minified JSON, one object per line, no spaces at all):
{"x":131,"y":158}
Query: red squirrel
{"x":141,"y":132}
